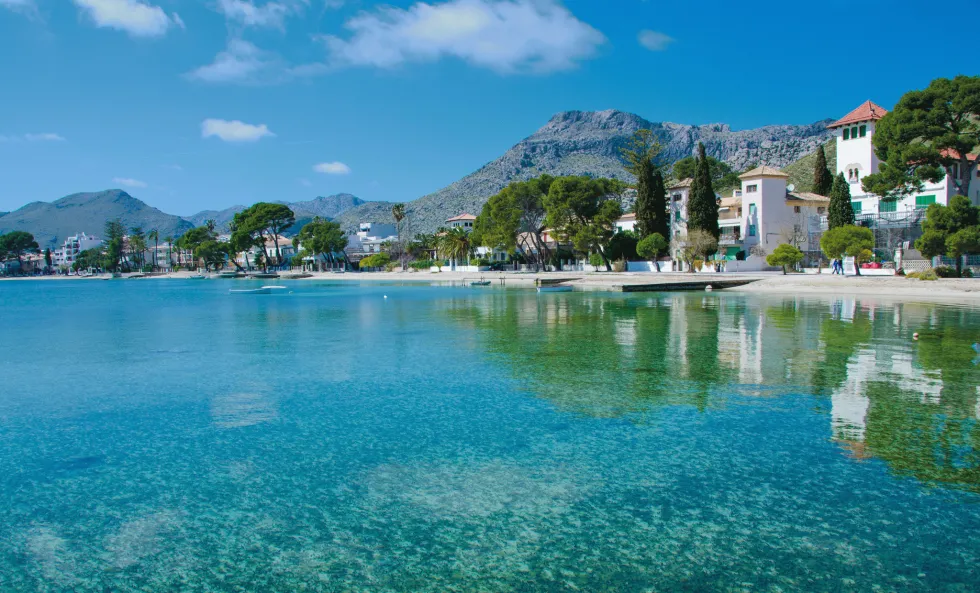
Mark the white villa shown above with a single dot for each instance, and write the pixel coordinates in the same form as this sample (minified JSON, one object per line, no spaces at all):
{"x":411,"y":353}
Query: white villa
{"x":856,"y":158}
{"x":370,"y":237}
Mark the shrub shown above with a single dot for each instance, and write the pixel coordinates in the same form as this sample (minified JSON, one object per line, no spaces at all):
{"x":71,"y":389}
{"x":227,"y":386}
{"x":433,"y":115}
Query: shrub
{"x":619,"y":265}
{"x":697,"y":264}
{"x":945,"y":272}
{"x":481,"y":262}
{"x":928,"y":275}
{"x":421,"y":264}
{"x":596,"y":260}
{"x":784,"y":255}
{"x":377,"y":260}
{"x":967,"y":273}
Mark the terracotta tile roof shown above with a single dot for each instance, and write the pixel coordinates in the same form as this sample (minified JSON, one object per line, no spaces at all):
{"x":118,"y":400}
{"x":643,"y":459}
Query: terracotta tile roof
{"x":955,"y":154}
{"x":463,"y":216}
{"x":867,"y":111}
{"x":683,"y":183}
{"x":763,"y":171}
{"x":730,"y":202}
{"x":629,"y":216}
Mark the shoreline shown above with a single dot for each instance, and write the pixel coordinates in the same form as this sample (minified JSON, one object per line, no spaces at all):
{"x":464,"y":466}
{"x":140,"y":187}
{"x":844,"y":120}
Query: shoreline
{"x":944,"y":290}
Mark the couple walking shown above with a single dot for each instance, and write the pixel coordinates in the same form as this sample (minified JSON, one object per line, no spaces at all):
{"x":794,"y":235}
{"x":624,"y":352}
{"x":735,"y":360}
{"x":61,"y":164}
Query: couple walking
{"x":838,"y":266}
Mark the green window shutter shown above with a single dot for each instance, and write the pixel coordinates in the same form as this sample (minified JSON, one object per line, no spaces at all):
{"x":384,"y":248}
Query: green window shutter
{"x":751,"y":230}
{"x":847,"y":133}
{"x":856,"y":207}
{"x":888,"y":206}
{"x":924,"y":201}
{"x":854,"y":132}
{"x":863,"y":130}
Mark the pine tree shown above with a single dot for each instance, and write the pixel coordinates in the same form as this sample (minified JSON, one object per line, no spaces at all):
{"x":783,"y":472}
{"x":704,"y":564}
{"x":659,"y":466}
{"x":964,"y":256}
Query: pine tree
{"x":651,"y":201}
{"x":840,"y":213}
{"x":702,"y":206}
{"x":823,"y":181}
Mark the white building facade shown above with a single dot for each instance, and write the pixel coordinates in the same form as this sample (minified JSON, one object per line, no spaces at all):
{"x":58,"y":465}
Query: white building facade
{"x":856,"y":159}
{"x":65,"y":255}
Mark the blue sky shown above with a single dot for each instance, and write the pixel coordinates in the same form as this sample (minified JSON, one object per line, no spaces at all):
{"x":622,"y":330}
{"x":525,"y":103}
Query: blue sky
{"x":191,"y":104}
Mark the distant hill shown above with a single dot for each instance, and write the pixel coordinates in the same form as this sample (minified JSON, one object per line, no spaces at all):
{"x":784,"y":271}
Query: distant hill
{"x":52,"y":222}
{"x":801,"y":172}
{"x":588,"y":143}
{"x":322,"y":206}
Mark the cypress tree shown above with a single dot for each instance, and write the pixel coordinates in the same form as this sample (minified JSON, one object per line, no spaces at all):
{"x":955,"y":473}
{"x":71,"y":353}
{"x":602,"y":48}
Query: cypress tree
{"x":702,"y":206}
{"x":823,"y":181}
{"x":651,"y":201}
{"x":840,"y":213}
{"x":659,"y":202}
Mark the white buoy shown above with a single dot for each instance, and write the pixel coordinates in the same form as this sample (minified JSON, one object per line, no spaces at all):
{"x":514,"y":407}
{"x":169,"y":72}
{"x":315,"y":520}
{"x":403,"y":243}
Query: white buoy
{"x":386,"y":296}
{"x":708,"y":288}
{"x":915,"y":336}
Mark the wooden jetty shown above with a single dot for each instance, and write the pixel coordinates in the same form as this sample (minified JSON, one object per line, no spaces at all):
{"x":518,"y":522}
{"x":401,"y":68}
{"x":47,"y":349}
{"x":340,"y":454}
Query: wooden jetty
{"x":685,"y":286}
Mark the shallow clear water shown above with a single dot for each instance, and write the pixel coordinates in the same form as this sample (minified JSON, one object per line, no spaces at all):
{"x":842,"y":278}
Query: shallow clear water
{"x":167,"y":436}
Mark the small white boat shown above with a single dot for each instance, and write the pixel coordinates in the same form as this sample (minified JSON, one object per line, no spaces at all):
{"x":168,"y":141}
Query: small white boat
{"x":554,"y":289}
{"x":263,"y":290}
{"x":275,"y":287}
{"x":198,"y":277}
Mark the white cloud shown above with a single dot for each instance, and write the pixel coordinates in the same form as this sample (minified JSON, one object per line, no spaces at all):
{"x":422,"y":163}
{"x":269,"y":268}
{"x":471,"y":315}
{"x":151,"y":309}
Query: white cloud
{"x":17,"y":4}
{"x":128,"y":182}
{"x":654,"y":40}
{"x":177,"y":20}
{"x":132,"y":16}
{"x":503,"y":35}
{"x":240,"y":63}
{"x":233,"y":131}
{"x":249,"y":14}
{"x":44,"y":137}
{"x":334,"y":168}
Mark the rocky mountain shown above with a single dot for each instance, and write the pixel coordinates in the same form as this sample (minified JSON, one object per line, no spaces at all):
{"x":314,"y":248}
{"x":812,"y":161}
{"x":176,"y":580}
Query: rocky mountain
{"x":322,"y":206}
{"x":588,"y":143}
{"x":52,"y":222}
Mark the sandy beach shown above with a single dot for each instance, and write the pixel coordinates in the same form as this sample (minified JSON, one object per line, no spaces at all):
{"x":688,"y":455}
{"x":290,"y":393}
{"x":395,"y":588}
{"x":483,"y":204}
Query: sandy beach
{"x":966,"y":291}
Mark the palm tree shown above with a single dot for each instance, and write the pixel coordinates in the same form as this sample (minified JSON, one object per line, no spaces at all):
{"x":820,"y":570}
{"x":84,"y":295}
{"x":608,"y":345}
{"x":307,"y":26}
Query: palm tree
{"x":398,"y":212}
{"x":211,"y":224}
{"x":155,"y":236}
{"x":454,"y":244}
{"x":169,"y":240}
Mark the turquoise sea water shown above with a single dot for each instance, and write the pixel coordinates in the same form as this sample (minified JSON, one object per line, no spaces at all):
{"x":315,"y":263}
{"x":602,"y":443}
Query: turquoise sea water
{"x":167,"y":436}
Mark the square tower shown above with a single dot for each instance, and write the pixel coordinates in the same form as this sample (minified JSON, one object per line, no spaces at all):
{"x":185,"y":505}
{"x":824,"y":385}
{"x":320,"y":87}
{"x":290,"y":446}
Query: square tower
{"x":855,"y":153}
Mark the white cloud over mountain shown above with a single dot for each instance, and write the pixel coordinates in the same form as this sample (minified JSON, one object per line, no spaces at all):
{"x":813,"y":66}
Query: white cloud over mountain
{"x":334,"y":168}
{"x":506,"y":36}
{"x":234,"y":131}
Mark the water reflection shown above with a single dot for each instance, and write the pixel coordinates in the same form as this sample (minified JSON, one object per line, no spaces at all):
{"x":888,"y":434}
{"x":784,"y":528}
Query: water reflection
{"x":912,"y":404}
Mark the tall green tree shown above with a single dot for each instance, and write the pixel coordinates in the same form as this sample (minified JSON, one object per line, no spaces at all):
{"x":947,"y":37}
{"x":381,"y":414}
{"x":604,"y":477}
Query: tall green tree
{"x":642,"y":155}
{"x":722,"y":175}
{"x":785,"y":255}
{"x":17,"y":244}
{"x":514,"y":219}
{"x":212,"y":253}
{"x":702,"y":205}
{"x":455,"y":244}
{"x":154,"y":235}
{"x":114,"y":232}
{"x":47,"y":258}
{"x":950,"y":230}
{"x":823,"y":180}
{"x":321,"y":237}
{"x":585,"y":210}
{"x":137,"y":246}
{"x":849,"y":240}
{"x":265,"y":221}
{"x":839,"y":211}
{"x":928,"y":133}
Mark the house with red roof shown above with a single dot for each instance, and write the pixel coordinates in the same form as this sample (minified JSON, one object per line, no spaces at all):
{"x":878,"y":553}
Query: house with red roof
{"x":856,"y":159}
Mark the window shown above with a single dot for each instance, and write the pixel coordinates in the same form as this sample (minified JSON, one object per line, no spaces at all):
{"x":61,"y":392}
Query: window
{"x":863,"y":131}
{"x":854,"y":132}
{"x":677,"y":197}
{"x":847,"y":133}
{"x":677,"y":215}
{"x":954,"y":171}
{"x":821,"y":210}
{"x":751,"y":189}
{"x":888,"y":206}
{"x":856,"y":207}
{"x":924,"y":201}
{"x":752,"y":210}
{"x":751,"y":230}
{"x":796,"y":209}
